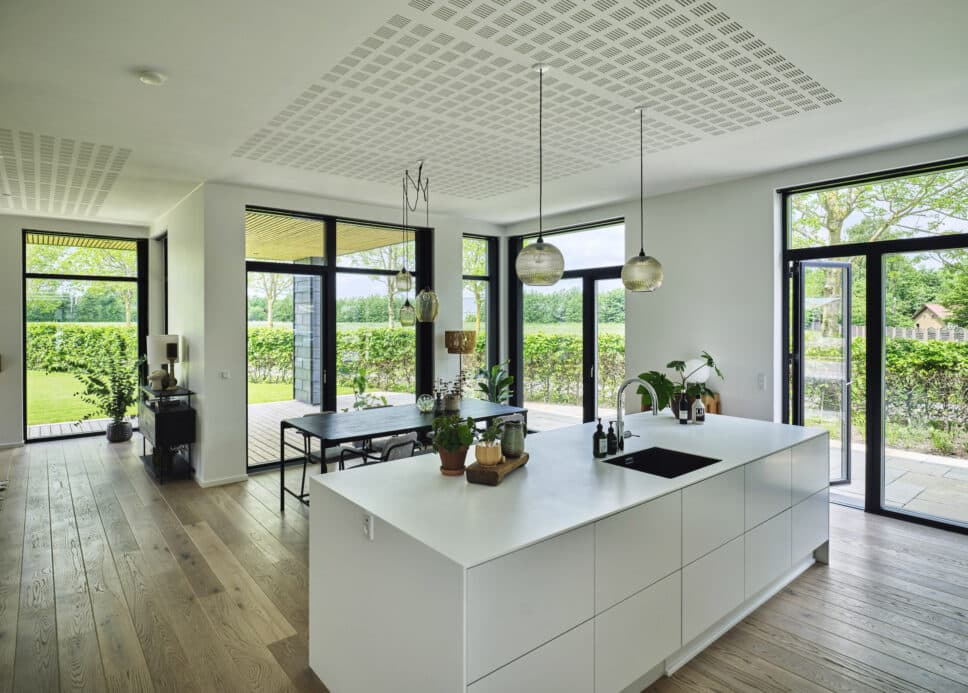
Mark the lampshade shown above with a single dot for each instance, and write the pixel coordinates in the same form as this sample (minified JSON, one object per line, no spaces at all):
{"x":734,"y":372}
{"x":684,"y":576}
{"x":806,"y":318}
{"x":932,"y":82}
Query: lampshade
{"x":403,"y":280}
{"x":408,"y":316}
{"x":426,"y":305}
{"x":701,"y":375}
{"x":460,"y":341}
{"x":163,"y":348}
{"x":642,"y":273}
{"x":539,"y":264}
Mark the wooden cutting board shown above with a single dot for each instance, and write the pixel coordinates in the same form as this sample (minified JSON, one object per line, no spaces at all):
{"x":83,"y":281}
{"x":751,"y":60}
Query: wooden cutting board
{"x":492,"y":476}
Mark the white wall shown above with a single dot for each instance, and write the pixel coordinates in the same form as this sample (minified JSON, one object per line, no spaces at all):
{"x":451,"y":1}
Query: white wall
{"x":720,"y":246}
{"x":208,"y":306}
{"x":11,"y":307}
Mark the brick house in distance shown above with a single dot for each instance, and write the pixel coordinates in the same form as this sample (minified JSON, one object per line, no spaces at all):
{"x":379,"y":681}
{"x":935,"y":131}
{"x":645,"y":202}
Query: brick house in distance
{"x":931,"y":315}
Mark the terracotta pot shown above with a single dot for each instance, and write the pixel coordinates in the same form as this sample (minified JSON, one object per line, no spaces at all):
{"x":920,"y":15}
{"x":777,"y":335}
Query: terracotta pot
{"x":119,"y":432}
{"x":488,"y":454}
{"x":452,"y":461}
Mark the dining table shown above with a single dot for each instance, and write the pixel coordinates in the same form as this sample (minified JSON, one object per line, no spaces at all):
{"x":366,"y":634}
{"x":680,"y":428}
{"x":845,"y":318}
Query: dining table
{"x":336,"y":428}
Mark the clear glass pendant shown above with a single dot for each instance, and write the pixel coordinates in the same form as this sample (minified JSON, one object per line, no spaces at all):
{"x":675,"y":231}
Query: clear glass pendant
{"x":408,"y":316}
{"x":539,"y":264}
{"x":403,"y":280}
{"x":427,"y":305}
{"x":642,"y":273}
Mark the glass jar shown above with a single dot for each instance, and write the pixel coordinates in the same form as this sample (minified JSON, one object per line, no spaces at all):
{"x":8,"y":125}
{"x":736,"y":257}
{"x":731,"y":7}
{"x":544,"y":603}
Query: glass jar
{"x":425,"y":404}
{"x":512,"y":439}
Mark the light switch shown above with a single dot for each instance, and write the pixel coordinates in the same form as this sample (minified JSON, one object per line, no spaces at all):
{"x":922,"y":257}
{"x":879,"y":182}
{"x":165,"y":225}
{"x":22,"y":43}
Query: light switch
{"x":224,"y":375}
{"x":761,"y":381}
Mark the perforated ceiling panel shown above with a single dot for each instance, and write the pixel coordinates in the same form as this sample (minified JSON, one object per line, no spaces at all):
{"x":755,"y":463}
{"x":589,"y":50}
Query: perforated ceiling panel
{"x":450,"y":80}
{"x":53,"y":175}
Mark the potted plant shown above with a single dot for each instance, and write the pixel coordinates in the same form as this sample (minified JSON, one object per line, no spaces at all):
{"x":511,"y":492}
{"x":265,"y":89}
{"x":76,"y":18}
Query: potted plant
{"x":495,"y":383}
{"x":667,"y":391}
{"x":488,"y":449}
{"x":110,"y":385}
{"x":452,"y":436}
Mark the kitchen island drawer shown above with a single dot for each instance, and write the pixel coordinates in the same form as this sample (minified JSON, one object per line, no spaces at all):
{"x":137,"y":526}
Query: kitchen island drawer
{"x":712,"y":587}
{"x":712,"y":513}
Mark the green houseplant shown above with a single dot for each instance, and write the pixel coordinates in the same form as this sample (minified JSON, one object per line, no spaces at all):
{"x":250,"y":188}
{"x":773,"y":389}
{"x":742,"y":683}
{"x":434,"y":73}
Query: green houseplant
{"x":452,"y":436}
{"x":488,"y":449}
{"x":110,"y":386}
{"x":495,"y":383}
{"x":666,"y":389}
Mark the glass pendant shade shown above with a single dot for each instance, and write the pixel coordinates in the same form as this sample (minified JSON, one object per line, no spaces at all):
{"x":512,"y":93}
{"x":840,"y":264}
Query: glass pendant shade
{"x":427,"y":305}
{"x":408,"y":316}
{"x":539,"y":264}
{"x":642,"y":273}
{"x":403,"y":280}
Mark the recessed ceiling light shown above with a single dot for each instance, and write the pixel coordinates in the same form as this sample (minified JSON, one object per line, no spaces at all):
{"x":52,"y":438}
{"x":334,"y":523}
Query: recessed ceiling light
{"x":152,"y":78}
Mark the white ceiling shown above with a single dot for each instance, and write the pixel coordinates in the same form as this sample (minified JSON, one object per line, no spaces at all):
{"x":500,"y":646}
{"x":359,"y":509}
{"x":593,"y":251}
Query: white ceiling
{"x":337,"y":98}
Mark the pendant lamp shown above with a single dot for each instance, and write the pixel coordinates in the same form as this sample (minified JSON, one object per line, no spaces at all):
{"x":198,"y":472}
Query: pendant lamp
{"x":642,"y":272}
{"x":403,"y":280}
{"x":540,"y":263}
{"x":426,"y":301}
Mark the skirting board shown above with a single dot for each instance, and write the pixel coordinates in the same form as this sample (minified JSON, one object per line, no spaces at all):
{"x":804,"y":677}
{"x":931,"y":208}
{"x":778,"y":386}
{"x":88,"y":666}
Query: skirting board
{"x":7,"y":446}
{"x":682,"y":657}
{"x":221,"y":482}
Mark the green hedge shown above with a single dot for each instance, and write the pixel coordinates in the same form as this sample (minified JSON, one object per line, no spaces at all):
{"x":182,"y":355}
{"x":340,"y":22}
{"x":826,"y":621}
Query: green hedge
{"x":49,"y":344}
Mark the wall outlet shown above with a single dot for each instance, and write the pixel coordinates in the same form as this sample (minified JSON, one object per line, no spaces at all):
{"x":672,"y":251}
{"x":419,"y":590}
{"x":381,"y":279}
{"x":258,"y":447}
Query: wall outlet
{"x":368,"y":523}
{"x":761,"y":382}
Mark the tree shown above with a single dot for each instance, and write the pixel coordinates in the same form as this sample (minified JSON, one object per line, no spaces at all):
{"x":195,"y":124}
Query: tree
{"x":273,"y":287}
{"x":387,"y":257}
{"x":475,"y":263}
{"x":954,"y":295}
{"x":926,"y":204}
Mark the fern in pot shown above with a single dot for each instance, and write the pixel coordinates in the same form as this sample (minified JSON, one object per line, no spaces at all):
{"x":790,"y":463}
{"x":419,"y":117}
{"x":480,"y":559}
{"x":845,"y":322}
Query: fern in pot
{"x":110,"y":387}
{"x":452,"y":436}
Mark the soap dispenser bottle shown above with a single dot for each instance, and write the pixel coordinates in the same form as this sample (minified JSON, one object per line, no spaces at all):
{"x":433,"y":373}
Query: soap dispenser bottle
{"x":698,"y":411}
{"x":612,"y":439}
{"x":599,"y":442}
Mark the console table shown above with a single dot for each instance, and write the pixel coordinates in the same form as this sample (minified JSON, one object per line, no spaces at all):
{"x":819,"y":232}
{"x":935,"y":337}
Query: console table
{"x":167,"y":421}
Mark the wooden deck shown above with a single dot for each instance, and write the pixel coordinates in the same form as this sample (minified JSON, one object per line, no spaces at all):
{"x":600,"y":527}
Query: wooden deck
{"x":70,"y":428}
{"x":111,"y":582}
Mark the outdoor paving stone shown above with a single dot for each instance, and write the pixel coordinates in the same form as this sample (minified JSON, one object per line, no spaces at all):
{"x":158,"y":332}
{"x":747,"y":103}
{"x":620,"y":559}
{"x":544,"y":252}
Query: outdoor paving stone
{"x":902,"y":492}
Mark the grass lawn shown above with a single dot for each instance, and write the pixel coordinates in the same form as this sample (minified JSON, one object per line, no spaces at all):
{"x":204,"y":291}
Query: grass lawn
{"x":51,"y":398}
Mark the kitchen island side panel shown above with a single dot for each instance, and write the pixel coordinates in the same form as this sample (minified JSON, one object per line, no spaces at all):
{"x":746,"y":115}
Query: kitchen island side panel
{"x":381,"y":612}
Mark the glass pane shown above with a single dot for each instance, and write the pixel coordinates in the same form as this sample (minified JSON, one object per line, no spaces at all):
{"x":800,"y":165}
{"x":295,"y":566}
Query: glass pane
{"x":475,"y":256}
{"x":73,"y":327}
{"x":927,"y":204}
{"x":373,"y":247}
{"x":284,"y":238}
{"x":552,"y":379}
{"x":610,"y":366}
{"x":106,"y":257}
{"x":375,"y":355}
{"x":284,"y":356}
{"x":925,"y":450}
{"x":599,"y":247}
{"x":475,"y":318}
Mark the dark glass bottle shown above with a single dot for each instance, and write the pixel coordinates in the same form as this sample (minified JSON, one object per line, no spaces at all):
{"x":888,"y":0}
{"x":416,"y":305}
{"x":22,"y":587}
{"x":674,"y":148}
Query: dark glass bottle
{"x":683,"y":408}
{"x":599,"y":442}
{"x":612,"y":440}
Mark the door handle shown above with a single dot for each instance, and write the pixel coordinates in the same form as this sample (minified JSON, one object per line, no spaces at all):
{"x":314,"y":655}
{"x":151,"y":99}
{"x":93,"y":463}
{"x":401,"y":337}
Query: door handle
{"x":591,"y":372}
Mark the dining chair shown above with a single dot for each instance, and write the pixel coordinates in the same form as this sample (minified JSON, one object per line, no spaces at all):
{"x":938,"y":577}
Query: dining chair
{"x":395,"y":448}
{"x":323,"y":458}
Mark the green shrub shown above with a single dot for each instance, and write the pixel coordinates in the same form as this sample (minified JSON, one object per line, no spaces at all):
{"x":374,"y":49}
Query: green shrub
{"x":51,"y":346}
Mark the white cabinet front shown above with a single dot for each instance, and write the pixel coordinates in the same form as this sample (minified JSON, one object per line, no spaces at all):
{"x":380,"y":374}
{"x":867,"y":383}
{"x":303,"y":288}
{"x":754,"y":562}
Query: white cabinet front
{"x":767,"y":552}
{"x":636,"y":547}
{"x":767,"y":488}
{"x":637,"y":634}
{"x":564,"y":665}
{"x":712,"y":513}
{"x":811,"y":524}
{"x":712,"y":587}
{"x":811,"y":467}
{"x":524,"y":599}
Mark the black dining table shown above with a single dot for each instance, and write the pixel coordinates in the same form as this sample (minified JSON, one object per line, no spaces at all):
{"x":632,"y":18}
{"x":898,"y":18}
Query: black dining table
{"x":343,"y":427}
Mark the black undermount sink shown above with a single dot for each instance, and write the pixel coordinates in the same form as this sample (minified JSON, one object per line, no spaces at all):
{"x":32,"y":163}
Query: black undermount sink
{"x":662,"y":462}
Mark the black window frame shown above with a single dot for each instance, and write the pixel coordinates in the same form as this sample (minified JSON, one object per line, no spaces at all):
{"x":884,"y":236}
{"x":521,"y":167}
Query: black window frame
{"x":422,"y":273}
{"x":874,"y":253}
{"x":493,"y":278}
{"x":589,"y":276}
{"x":140,"y":280}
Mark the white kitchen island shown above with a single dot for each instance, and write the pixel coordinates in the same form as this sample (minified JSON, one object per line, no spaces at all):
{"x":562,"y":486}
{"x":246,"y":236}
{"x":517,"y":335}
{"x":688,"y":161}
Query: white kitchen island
{"x":572,"y":575}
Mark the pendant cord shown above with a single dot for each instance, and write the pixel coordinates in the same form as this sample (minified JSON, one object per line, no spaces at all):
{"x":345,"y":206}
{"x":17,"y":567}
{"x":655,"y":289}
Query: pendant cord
{"x":641,"y":183}
{"x":540,"y":152}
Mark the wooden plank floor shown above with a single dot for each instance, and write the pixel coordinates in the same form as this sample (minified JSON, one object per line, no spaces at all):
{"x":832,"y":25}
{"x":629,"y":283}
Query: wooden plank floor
{"x":110,"y":582}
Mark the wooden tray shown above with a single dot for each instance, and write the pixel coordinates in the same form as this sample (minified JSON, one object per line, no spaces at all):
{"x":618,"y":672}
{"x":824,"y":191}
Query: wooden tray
{"x":492,"y":476}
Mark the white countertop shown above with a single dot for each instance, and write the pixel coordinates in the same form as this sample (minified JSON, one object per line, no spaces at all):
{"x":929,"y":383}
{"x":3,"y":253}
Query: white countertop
{"x":560,"y":488}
